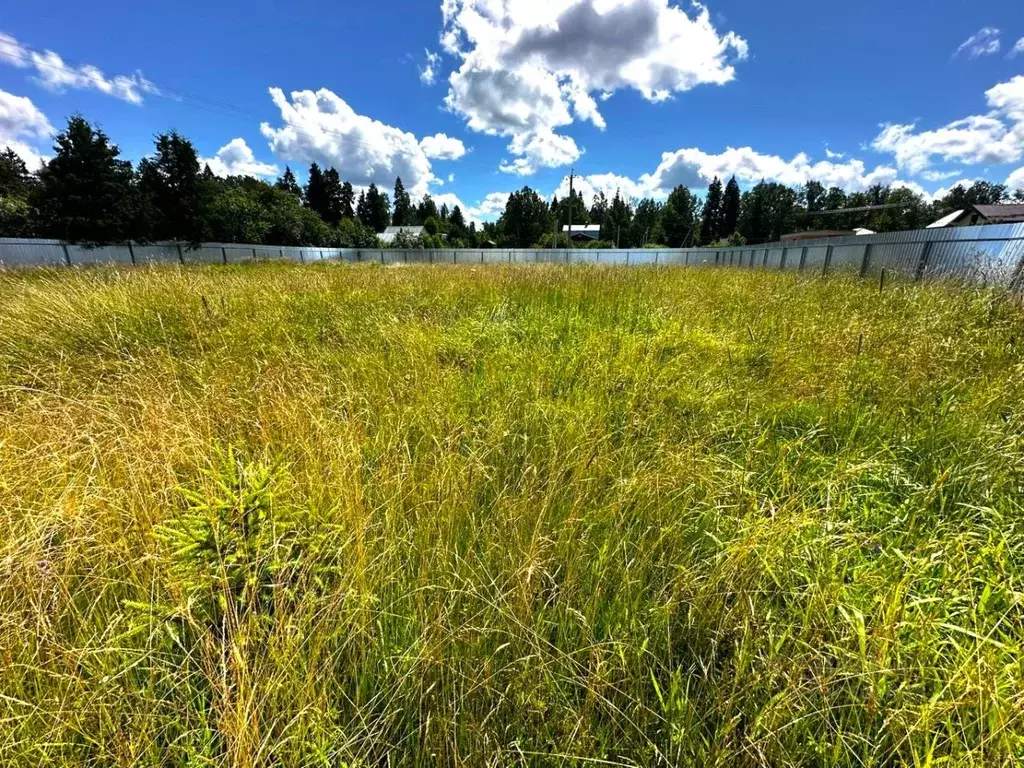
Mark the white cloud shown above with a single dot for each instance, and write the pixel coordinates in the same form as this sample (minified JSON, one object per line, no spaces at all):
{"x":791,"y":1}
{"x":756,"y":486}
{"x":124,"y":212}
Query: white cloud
{"x":488,"y":209}
{"x":451,"y":177}
{"x":442,"y":147}
{"x":693,"y":167}
{"x":984,"y":42}
{"x":321,"y":127}
{"x":236,"y":159}
{"x":997,"y":137}
{"x":22,"y":125}
{"x":941,"y":192}
{"x":528,"y":67}
{"x":428,"y":75}
{"x":540,"y":149}
{"x":833,"y":155}
{"x":1016,"y":180}
{"x":1018,"y":48}
{"x":54,"y":74}
{"x":939,"y":175}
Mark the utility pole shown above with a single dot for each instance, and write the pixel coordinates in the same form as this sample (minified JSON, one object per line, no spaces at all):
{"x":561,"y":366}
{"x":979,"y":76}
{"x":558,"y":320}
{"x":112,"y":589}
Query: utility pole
{"x":572,"y":175}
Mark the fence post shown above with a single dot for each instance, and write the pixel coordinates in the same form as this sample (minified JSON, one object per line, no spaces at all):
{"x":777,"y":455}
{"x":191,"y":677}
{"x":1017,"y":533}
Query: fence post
{"x":67,"y":256}
{"x":764,"y":263}
{"x":867,"y":260}
{"x":302,"y":257}
{"x":782,"y":261}
{"x":922,"y":263}
{"x":828,"y":261}
{"x":181,"y":256}
{"x":655,"y":258}
{"x":254,"y":254}
{"x":131,"y":252}
{"x":281,"y":252}
{"x":224,"y":254}
{"x":803,"y":258}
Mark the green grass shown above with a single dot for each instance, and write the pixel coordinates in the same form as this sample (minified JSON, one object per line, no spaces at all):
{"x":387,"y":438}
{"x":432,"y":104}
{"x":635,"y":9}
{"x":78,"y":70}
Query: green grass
{"x":548,"y":516}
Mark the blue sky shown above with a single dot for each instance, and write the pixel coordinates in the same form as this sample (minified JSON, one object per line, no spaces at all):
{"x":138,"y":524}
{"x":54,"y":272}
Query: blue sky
{"x":471,"y":99}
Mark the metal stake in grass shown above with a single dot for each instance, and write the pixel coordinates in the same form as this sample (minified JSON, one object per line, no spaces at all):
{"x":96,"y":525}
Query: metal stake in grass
{"x":881,"y":280}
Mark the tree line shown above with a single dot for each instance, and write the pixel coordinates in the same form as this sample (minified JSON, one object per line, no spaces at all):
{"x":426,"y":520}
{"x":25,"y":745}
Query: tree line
{"x":726,"y":216}
{"x":88,"y":194}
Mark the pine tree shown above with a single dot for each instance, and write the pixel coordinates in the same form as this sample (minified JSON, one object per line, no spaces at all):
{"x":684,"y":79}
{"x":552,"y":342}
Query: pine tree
{"x":730,"y":209}
{"x":332,"y":197}
{"x":379,"y":208}
{"x":348,"y":200}
{"x":711,"y":218}
{"x":85,"y":188}
{"x":287,"y":183}
{"x":316,"y":192}
{"x":599,"y":208}
{"x":617,"y":220}
{"x":404,"y":214}
{"x":444,"y":212}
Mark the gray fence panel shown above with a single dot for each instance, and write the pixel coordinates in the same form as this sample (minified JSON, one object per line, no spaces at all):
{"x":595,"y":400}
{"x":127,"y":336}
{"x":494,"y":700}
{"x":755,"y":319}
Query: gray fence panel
{"x":107,"y":254}
{"x":29,"y":253}
{"x":815,"y":257}
{"x":158,"y":254}
{"x":846,"y":257}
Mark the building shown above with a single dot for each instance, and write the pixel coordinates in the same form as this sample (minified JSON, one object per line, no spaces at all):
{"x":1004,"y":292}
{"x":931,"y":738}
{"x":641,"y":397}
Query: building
{"x":388,"y":235}
{"x":977,"y":215}
{"x":584,"y":232}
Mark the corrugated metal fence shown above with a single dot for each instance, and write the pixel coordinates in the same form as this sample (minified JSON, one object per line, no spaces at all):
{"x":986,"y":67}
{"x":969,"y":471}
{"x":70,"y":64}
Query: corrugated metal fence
{"x":990,"y":254}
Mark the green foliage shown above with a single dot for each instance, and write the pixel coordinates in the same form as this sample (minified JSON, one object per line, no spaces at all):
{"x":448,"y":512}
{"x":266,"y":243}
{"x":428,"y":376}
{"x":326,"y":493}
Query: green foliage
{"x":712,"y":214}
{"x":404,"y":215}
{"x":427,"y":209}
{"x":332,"y":197}
{"x":287,"y":183}
{"x":730,"y":208}
{"x":15,"y":180}
{"x":16,"y":217}
{"x":172,"y":193}
{"x":85,"y":193}
{"x":768,"y":212}
{"x":526,"y":219}
{"x":316,"y":193}
{"x":679,"y":218}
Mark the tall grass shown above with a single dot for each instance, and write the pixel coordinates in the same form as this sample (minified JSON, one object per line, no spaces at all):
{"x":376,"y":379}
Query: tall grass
{"x":545,"y":516}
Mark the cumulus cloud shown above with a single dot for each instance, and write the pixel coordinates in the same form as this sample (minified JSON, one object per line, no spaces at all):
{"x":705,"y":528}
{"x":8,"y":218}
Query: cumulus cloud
{"x":22,"y":125}
{"x":693,"y":168}
{"x":833,"y":155}
{"x":1018,"y":48}
{"x":321,"y":127}
{"x":530,"y":67}
{"x":428,"y":75}
{"x":236,"y":159}
{"x":442,"y":147}
{"x":488,"y":209}
{"x":1016,"y":180}
{"x":540,"y":149}
{"x":609,"y":183}
{"x":54,"y":74}
{"x":996,"y":137}
{"x":984,"y":42}
{"x":939,"y":175}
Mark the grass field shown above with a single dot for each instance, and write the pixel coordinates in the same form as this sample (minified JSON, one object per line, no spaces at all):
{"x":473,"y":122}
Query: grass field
{"x":548,"y":516}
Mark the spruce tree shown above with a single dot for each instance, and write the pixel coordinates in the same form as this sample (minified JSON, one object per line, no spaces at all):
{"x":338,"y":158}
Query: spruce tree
{"x":332,"y":197}
{"x":15,"y":180}
{"x":711,"y":218}
{"x":404,"y":213}
{"x":348,"y":200}
{"x":427,"y":209}
{"x":730,"y":209}
{"x":363,"y":210}
{"x":287,"y":183}
{"x":316,"y":192}
{"x":85,"y":188}
{"x":171,"y":192}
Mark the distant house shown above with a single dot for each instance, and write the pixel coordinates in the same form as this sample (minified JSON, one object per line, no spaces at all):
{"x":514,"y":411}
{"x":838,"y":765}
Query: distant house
{"x":584,"y":232}
{"x":388,"y":235}
{"x":982,"y":214}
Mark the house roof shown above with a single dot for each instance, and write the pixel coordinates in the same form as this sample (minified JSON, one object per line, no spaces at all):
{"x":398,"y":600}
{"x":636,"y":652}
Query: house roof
{"x":945,"y":221}
{"x":406,"y":230}
{"x":1001,"y":214}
